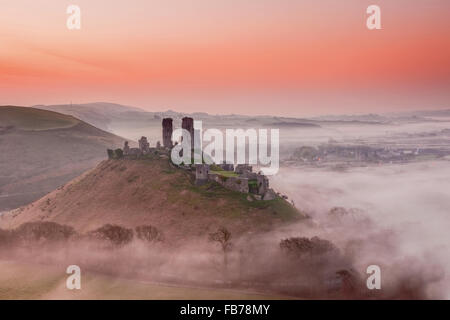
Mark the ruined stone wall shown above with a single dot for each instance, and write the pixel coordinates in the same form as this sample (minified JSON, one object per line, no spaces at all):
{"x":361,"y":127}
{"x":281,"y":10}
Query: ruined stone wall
{"x":226,"y":166}
{"x":201,"y":173}
{"x":144,"y":145}
{"x":262,"y":182}
{"x":238,"y":184}
{"x":243,"y":168}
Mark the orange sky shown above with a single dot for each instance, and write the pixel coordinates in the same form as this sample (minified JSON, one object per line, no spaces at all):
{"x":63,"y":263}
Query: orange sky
{"x":287,"y":57}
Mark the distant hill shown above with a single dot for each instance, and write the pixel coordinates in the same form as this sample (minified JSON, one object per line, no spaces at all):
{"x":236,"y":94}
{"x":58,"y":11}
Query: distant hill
{"x":132,"y":123}
{"x":40,"y":150}
{"x":293,"y":124}
{"x":151,"y":191}
{"x":99,"y":114}
{"x":430,"y":113}
{"x":361,"y":118}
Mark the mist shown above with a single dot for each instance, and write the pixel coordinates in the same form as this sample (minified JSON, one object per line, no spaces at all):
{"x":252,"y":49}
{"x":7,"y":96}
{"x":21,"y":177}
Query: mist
{"x":390,"y":212}
{"x":399,"y":215}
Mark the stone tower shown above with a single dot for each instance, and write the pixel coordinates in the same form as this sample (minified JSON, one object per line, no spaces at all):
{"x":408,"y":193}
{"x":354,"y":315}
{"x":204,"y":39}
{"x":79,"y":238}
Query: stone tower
{"x":144,"y":145}
{"x":188,"y":124}
{"x":167,"y":132}
{"x":201,"y":174}
{"x":126,"y":148}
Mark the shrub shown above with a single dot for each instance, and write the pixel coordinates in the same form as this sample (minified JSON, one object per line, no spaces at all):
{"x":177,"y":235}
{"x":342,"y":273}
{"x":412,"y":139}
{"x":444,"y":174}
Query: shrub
{"x":222,"y":236}
{"x":300,"y":246}
{"x":114,"y":234}
{"x":148,"y":233}
{"x":48,"y":231}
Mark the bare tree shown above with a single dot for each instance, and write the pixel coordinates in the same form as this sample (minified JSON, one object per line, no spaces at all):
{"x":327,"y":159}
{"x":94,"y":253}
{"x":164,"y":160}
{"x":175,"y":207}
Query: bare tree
{"x":223,"y":237}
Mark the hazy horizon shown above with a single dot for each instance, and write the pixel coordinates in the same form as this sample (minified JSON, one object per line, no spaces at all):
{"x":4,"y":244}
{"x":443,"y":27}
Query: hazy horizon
{"x":291,"y":58}
{"x":162,"y":110}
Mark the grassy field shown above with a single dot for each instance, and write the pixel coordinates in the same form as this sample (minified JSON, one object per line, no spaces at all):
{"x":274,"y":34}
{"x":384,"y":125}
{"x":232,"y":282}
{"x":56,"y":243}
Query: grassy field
{"x":24,"y":281}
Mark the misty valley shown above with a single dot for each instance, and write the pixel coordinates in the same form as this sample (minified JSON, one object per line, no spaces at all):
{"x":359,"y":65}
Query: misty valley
{"x":350,"y":193}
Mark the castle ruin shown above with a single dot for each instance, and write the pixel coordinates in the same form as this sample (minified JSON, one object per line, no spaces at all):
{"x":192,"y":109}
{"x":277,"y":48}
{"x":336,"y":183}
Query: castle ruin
{"x":144,"y":145}
{"x":188,"y":125}
{"x":240,"y":178}
{"x":201,"y":173}
{"x":167,"y":130}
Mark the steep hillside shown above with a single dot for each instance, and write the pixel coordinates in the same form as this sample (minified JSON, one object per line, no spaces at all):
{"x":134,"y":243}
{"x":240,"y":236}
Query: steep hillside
{"x":98,"y":114}
{"x":151,"y":191}
{"x":41,"y":150}
{"x":30,"y":119}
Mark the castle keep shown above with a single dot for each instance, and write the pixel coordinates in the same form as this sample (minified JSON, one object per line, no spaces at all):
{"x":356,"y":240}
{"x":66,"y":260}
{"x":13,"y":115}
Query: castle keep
{"x":188,"y":125}
{"x":167,"y":130}
{"x":240,"y":178}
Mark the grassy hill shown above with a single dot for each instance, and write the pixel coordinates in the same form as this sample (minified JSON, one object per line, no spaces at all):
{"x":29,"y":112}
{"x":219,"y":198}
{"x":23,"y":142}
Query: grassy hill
{"x":41,"y":150}
{"x":29,"y":119}
{"x":98,"y":114}
{"x":151,"y":191}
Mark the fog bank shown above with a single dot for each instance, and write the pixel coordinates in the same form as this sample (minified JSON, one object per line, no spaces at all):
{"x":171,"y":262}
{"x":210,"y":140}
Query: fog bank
{"x":408,"y":207}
